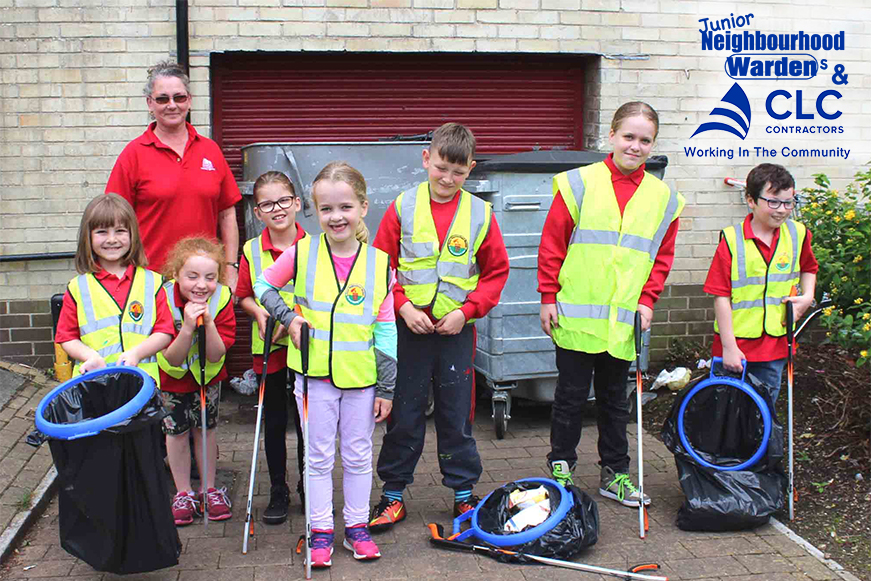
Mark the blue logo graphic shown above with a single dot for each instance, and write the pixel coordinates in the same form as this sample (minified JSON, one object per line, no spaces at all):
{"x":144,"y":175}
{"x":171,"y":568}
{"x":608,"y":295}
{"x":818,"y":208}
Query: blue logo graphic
{"x":738,"y":99}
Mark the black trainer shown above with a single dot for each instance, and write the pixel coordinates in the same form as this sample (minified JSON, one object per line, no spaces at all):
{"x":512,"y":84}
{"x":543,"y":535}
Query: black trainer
{"x":279,"y":500}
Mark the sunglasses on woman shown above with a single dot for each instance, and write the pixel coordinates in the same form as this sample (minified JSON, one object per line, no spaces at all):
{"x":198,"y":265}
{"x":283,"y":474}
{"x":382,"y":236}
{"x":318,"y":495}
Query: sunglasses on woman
{"x":178,"y":99}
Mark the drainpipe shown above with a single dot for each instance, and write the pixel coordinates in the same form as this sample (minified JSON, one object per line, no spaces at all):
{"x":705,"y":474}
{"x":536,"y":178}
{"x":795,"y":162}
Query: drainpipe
{"x":183,"y":48}
{"x":44,"y":256}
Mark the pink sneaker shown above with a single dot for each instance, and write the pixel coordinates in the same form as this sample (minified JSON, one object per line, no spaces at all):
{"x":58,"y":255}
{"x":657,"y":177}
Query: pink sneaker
{"x":219,"y":504}
{"x":322,"y":548}
{"x":357,"y":539}
{"x":184,"y":508}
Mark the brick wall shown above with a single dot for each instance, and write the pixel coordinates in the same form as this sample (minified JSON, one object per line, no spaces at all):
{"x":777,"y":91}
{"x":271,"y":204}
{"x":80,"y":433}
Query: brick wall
{"x":71,"y":77}
{"x":26,"y":333}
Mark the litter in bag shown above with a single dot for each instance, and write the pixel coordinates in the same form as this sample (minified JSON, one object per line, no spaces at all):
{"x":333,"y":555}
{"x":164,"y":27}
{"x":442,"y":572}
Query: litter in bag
{"x":724,"y":427}
{"x":578,"y":529}
{"x":113,"y":496}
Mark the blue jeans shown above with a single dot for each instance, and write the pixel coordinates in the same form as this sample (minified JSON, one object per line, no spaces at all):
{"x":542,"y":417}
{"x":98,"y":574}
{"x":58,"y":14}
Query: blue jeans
{"x":770,"y":373}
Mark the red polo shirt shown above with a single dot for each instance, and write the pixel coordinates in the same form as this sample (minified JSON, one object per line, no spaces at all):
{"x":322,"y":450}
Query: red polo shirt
{"x":225,"y":322}
{"x":118,"y":288}
{"x":173,"y":197}
{"x":278,"y":358}
{"x":492,"y":258}
{"x":719,"y":283}
{"x":558,"y":227}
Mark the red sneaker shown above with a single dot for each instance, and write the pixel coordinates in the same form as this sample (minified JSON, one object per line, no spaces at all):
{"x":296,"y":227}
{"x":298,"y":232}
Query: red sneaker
{"x":386,"y":514}
{"x":322,"y":548}
{"x":218,"y":504}
{"x":184,"y":508}
{"x":465,"y":506}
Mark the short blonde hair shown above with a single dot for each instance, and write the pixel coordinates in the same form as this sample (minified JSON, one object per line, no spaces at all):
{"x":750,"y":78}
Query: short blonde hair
{"x":187,"y":247}
{"x":104,"y":211}
{"x":340,"y":171}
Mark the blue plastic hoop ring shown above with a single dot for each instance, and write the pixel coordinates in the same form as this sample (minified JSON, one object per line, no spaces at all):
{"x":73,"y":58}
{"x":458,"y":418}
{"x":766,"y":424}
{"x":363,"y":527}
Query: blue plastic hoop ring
{"x":757,"y":399}
{"x":94,"y":426}
{"x":566,"y":504}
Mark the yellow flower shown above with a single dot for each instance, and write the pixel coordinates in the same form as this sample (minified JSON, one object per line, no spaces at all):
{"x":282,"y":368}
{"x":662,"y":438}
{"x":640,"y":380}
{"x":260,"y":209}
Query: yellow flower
{"x":815,"y":205}
{"x":834,"y":290}
{"x":828,"y":334}
{"x":858,"y":301}
{"x":866,"y":316}
{"x":837,"y":218}
{"x":867,"y":327}
{"x":849,"y":215}
{"x":844,"y":279}
{"x":863,"y":353}
{"x":828,"y":311}
{"x":858,"y":258}
{"x":828,"y":212}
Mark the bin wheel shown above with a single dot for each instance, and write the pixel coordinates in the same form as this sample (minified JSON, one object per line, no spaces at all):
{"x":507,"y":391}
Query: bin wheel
{"x":500,"y":418}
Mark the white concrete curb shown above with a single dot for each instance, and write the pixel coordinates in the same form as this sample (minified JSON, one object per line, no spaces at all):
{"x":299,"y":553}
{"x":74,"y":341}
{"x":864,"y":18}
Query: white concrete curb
{"x":22,"y":521}
{"x":835,"y":567}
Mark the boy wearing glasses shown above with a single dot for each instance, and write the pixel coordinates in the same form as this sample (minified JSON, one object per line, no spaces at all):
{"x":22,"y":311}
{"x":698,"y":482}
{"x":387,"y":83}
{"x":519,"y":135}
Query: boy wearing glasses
{"x":276,"y":205}
{"x":759,"y":266}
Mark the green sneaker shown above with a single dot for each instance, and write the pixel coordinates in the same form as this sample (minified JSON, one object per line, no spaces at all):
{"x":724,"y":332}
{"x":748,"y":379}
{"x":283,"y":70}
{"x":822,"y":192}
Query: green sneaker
{"x":562,"y":472}
{"x":617,"y":486}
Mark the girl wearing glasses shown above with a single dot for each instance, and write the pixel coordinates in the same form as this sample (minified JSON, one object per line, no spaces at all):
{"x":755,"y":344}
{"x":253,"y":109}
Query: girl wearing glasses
{"x":756,"y":269}
{"x":177,"y":181}
{"x":276,"y":205}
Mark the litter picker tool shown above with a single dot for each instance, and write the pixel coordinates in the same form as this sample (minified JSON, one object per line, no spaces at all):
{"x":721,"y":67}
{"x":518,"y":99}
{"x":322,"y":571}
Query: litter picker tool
{"x":643,"y":523}
{"x":438,"y":540}
{"x":201,"y":346}
{"x":789,"y":379}
{"x":303,"y":349}
{"x":267,"y":347}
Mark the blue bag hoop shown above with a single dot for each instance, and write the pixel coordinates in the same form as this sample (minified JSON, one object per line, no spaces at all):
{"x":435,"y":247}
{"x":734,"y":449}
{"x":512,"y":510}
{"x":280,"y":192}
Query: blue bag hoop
{"x":94,"y":426}
{"x":742,"y":385}
{"x":565,"y":505}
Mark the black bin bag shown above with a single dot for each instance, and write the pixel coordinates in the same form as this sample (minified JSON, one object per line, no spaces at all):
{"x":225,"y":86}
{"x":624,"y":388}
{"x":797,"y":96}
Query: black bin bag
{"x":725,"y":427}
{"x":578,"y":529}
{"x":113,"y":497}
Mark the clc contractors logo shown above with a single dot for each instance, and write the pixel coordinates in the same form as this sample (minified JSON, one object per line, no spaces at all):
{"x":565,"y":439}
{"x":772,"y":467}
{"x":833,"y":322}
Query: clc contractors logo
{"x":782,"y":59}
{"x":355,"y":294}
{"x":457,"y":245}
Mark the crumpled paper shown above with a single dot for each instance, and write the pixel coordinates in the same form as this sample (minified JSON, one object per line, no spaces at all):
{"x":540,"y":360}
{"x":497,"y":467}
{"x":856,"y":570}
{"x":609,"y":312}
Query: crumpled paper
{"x":245,"y":385}
{"x":674,"y":380}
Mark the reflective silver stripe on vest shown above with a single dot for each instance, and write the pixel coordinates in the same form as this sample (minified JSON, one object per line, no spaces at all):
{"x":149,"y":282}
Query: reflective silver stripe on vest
{"x":476,"y":219}
{"x":586,"y":236}
{"x":670,"y":209}
{"x":324,"y":335}
{"x":576,"y":182}
{"x":411,"y":250}
{"x":603,"y":312}
{"x":452,"y":291}
{"x":147,"y":309}
{"x":369,"y":314}
{"x":793,"y":233}
{"x":457,"y":269}
{"x":759,"y":303}
{"x":91,"y":323}
{"x":256,"y":263}
{"x":178,"y":317}
{"x":310,"y":274}
{"x":110,"y":350}
{"x":424,"y":276}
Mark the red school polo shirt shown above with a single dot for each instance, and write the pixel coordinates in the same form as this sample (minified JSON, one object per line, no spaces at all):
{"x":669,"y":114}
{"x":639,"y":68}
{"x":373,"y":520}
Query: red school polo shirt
{"x":719,"y":284}
{"x":225,"y":322}
{"x":278,"y":358}
{"x":118,"y":288}
{"x":173,"y":197}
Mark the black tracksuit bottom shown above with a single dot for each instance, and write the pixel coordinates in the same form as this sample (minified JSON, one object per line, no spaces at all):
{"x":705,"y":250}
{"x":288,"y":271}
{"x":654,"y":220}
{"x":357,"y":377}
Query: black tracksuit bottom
{"x":278,"y":402}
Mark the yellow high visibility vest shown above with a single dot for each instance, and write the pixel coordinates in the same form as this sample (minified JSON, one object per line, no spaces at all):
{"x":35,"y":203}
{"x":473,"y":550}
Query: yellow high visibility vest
{"x":435,"y":277}
{"x":109,"y":328}
{"x":758,"y":289}
{"x":609,"y":258}
{"x":342,"y":316}
{"x":219,"y":299}
{"x":259,"y":260}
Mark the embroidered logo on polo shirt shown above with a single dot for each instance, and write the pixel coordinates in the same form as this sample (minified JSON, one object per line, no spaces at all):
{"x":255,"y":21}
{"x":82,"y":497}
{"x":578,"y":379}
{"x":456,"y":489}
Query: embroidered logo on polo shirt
{"x":355,"y":294}
{"x":136,"y":310}
{"x":207,"y":165}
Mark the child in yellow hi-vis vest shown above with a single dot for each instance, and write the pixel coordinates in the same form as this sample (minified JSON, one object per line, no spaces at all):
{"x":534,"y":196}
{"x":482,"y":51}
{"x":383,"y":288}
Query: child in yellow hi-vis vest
{"x":755,"y":270}
{"x":342,"y":288}
{"x":606,"y":250}
{"x":113,"y":285}
{"x":197,"y":289}
{"x":276,"y":205}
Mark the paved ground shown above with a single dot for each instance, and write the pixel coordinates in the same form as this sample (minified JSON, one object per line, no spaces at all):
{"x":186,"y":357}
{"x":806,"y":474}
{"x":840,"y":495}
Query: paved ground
{"x":215,"y":555}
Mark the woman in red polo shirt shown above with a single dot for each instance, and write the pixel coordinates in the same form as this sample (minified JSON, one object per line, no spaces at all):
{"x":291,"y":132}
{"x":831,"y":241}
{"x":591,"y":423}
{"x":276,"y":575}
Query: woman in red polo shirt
{"x":177,"y":181}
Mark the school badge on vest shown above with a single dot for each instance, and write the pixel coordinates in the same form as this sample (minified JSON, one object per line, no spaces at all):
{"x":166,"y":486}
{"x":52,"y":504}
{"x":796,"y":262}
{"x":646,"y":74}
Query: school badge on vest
{"x":355,"y":294}
{"x":457,"y":245}
{"x":782,"y":263}
{"x":136,"y":309}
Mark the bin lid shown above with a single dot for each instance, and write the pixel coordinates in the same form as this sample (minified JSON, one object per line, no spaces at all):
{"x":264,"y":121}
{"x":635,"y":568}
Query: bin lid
{"x":554,"y":161}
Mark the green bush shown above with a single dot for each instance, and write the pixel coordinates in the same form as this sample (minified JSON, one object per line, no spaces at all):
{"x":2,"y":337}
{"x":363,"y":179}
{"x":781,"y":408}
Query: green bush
{"x":841,"y":227}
